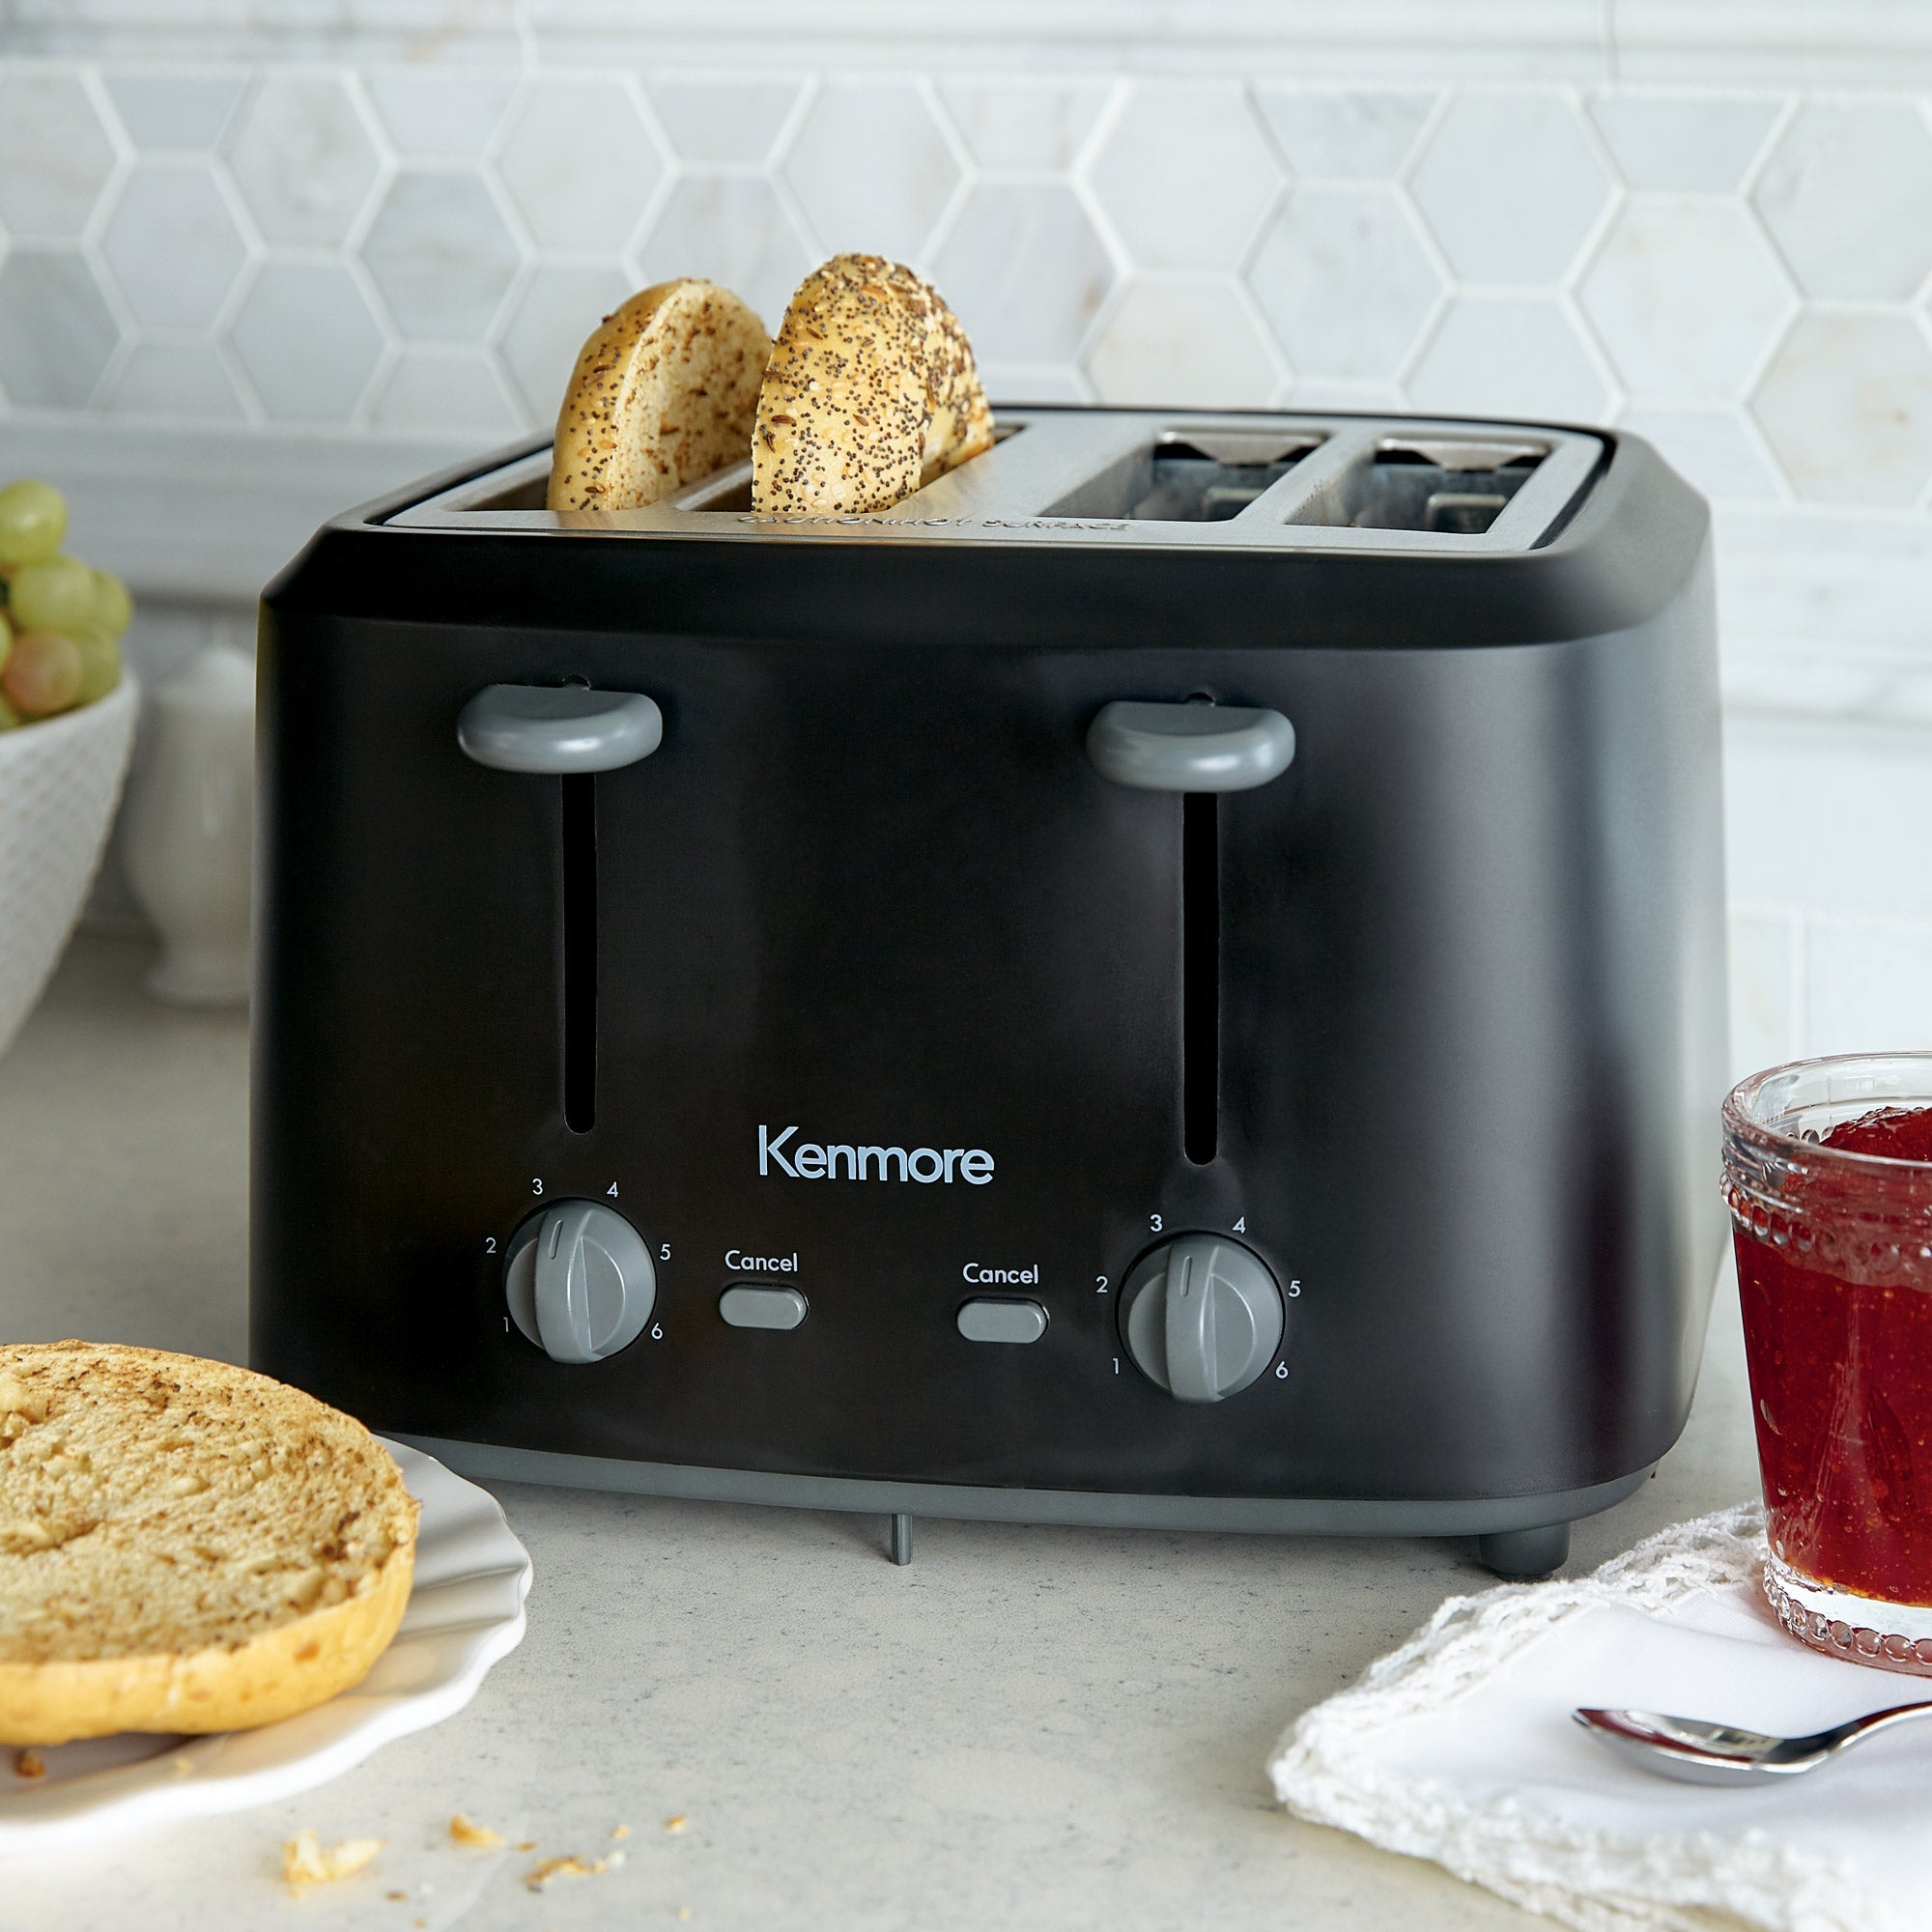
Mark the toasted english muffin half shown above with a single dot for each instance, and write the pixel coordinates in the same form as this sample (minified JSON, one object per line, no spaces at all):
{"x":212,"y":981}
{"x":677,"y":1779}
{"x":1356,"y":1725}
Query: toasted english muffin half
{"x":664,"y":394}
{"x":871,"y":392}
{"x":184,"y":1546}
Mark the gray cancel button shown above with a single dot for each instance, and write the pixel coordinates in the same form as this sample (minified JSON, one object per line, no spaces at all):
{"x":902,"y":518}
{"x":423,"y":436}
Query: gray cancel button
{"x":998,"y":1317}
{"x":751,"y":1304}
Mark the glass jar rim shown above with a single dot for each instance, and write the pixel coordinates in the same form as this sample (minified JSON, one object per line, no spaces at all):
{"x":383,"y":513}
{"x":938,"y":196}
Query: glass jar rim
{"x":1816,"y":1153}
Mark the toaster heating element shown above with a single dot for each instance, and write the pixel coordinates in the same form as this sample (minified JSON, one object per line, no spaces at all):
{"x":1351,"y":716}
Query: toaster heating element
{"x":1173,"y":978}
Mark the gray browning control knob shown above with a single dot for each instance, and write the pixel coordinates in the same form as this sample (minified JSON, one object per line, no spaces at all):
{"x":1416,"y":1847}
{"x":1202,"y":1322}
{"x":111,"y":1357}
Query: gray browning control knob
{"x":1202,"y":1317}
{"x":579,"y":1282}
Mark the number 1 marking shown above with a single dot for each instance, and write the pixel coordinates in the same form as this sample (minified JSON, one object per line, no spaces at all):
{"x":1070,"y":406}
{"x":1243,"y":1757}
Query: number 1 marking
{"x":1117,"y":1365}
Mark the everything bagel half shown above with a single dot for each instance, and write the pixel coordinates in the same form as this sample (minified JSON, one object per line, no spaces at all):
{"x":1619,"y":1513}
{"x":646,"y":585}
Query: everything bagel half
{"x":664,"y":394}
{"x":872,"y":391}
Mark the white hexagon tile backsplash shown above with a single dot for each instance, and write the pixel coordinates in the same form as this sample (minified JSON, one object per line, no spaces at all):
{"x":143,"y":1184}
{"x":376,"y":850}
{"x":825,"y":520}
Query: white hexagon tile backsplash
{"x":387,"y":250}
{"x":298,"y":264}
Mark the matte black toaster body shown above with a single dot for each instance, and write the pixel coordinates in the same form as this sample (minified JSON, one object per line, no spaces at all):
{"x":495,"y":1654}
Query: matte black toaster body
{"x":907,"y":1027}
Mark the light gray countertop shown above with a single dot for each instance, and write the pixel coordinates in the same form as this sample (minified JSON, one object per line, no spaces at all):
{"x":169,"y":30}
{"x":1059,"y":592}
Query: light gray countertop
{"x":1032,"y":1727}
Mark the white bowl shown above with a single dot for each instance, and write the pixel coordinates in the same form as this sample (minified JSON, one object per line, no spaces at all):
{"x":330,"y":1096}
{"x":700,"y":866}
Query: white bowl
{"x":59,"y":781}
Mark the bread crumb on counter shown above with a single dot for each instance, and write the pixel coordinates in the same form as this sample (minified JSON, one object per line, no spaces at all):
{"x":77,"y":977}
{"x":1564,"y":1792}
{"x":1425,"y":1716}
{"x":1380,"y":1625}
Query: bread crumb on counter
{"x":676,"y":1824}
{"x":28,"y":1763}
{"x":527,"y":1844}
{"x":467,"y":1833}
{"x":398,"y":1897}
{"x":620,"y":1831}
{"x":569,"y":1866}
{"x":305,"y":1863}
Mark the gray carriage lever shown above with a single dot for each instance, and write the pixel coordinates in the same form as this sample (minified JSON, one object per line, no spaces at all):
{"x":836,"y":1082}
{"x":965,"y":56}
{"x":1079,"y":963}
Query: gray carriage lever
{"x":544,"y":727}
{"x":1189,"y":747}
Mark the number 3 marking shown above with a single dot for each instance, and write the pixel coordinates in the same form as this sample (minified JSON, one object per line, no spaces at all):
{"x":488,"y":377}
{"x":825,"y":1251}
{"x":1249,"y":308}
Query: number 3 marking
{"x":536,"y":1187}
{"x":1153,"y":1224}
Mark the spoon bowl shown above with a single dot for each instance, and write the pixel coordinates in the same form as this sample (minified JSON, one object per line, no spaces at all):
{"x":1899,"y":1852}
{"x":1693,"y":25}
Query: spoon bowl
{"x":1694,"y":1750}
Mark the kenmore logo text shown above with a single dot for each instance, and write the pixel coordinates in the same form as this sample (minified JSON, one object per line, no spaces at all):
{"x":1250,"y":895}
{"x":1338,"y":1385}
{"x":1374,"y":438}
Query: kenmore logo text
{"x":808,"y":1161}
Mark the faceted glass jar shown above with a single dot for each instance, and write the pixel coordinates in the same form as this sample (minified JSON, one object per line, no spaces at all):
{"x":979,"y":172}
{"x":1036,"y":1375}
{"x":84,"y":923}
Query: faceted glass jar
{"x":1835,"y":1269}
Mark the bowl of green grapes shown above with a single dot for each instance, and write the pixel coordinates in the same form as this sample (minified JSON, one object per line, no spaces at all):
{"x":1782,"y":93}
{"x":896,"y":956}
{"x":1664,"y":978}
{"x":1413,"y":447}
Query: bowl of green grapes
{"x":67,"y":726}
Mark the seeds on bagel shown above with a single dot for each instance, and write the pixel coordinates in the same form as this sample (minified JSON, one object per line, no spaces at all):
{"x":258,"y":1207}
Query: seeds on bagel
{"x":870,"y":393}
{"x":663,"y":395}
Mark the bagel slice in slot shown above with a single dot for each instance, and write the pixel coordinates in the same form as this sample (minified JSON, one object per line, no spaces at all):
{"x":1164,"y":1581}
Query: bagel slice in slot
{"x":664,"y":394}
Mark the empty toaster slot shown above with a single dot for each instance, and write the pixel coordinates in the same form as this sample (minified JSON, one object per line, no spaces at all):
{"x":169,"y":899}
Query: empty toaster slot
{"x":531,"y":494}
{"x":1456,"y":487}
{"x":1202,"y":476}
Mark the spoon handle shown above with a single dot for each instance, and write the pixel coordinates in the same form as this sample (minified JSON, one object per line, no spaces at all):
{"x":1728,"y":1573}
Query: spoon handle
{"x":1874,"y":1721}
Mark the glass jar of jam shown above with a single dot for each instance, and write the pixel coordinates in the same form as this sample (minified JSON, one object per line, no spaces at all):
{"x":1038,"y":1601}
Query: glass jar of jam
{"x":1828,"y":1174}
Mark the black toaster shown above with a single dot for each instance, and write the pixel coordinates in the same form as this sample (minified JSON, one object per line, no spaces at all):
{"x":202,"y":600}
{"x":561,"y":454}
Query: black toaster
{"x":1174,"y":977}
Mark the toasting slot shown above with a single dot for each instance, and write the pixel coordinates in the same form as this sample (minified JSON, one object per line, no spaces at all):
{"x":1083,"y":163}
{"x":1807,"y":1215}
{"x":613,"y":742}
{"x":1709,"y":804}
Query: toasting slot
{"x":1199,"y":750}
{"x":573,"y":732}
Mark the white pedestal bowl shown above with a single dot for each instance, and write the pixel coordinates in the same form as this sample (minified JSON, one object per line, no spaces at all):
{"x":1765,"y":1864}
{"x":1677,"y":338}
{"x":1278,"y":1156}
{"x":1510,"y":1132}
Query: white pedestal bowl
{"x":59,"y":783}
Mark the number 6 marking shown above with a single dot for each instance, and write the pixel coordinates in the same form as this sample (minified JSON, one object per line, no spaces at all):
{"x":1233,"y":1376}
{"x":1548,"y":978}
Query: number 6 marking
{"x":1281,"y":1371}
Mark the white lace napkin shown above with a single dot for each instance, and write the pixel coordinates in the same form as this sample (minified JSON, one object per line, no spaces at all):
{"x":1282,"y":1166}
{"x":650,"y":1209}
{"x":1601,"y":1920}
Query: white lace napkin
{"x":1459,"y":1748}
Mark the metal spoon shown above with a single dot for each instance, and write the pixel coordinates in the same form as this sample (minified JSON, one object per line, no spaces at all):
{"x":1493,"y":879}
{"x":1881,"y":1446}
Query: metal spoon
{"x":1696,"y":1752}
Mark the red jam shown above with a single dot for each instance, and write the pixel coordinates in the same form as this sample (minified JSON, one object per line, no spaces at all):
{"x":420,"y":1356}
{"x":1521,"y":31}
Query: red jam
{"x":1838,"y":1338}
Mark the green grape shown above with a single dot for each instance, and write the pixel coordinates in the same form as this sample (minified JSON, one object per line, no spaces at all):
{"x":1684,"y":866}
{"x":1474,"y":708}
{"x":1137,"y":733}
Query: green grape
{"x":42,"y":673}
{"x":9,"y":717}
{"x":113,"y":608}
{"x":32,"y":519}
{"x":56,"y":595}
{"x":99,"y":668}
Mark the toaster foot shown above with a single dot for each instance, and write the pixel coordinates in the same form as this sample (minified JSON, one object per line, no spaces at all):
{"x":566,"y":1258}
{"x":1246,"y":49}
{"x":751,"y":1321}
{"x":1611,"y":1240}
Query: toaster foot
{"x":1524,"y":1554}
{"x":902,"y":1538}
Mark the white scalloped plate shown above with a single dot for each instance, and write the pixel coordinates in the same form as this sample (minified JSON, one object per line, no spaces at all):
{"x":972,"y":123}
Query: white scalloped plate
{"x":465,"y":1612}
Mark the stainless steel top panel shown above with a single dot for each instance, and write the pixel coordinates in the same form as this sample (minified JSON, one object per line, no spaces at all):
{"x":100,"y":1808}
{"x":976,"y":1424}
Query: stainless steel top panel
{"x":1186,"y":478}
